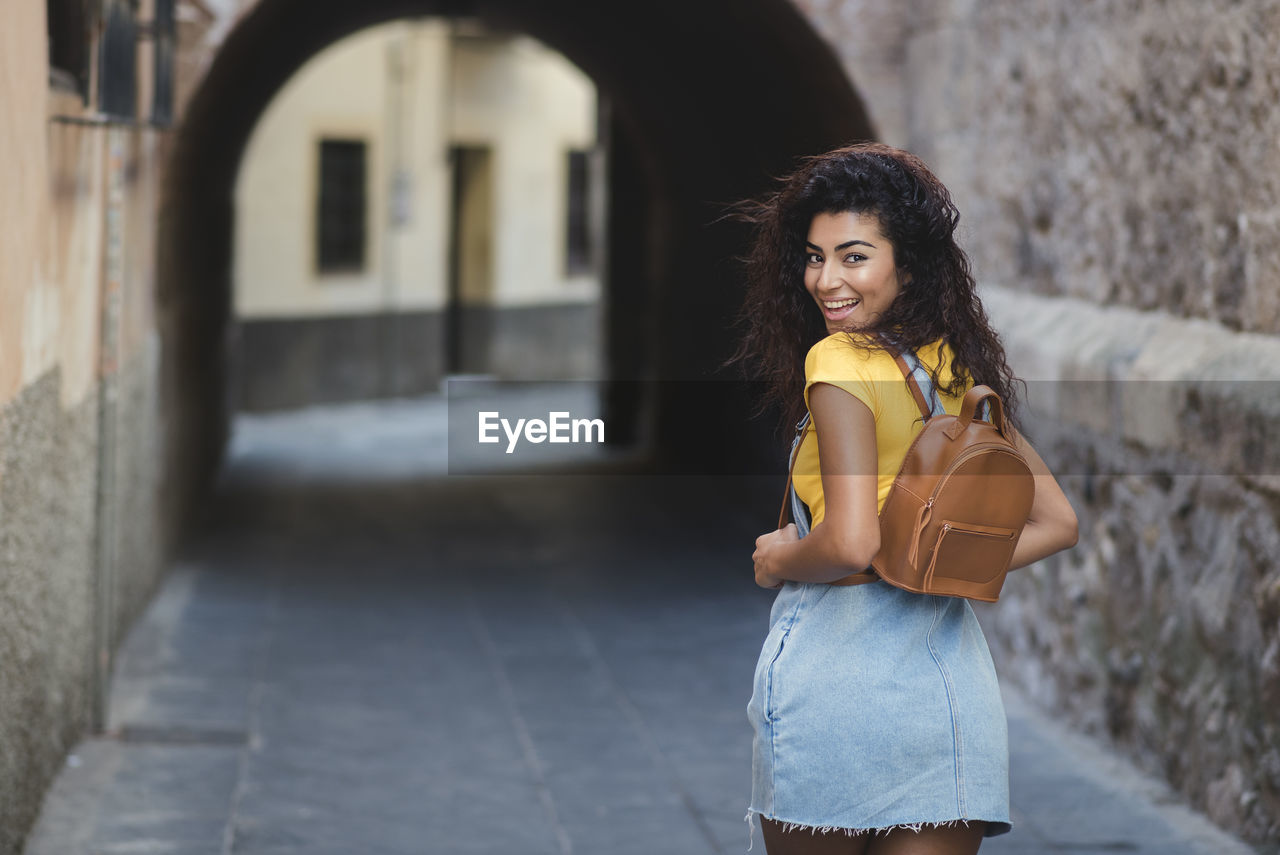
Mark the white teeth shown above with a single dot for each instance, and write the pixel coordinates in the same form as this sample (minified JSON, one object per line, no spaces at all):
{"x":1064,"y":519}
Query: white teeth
{"x":840,"y":303}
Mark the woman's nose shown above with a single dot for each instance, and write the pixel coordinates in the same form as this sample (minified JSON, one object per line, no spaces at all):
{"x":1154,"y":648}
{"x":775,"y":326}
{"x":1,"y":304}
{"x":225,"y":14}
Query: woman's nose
{"x":831,"y":279}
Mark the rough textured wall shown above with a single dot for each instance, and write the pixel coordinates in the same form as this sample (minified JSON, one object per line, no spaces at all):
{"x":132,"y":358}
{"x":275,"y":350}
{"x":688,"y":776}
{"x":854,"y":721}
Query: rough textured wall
{"x":50,"y":566}
{"x":1118,"y":152}
{"x":48,"y":459}
{"x":142,"y":544}
{"x":1160,"y":631}
{"x":1117,"y":172}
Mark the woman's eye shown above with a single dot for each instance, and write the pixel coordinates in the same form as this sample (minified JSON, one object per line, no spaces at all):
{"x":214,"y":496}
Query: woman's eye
{"x":813,"y":258}
{"x":855,"y":257}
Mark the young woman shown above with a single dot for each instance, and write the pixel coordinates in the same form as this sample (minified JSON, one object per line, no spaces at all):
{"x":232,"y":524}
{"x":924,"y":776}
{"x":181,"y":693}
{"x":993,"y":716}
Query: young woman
{"x":878,"y":722}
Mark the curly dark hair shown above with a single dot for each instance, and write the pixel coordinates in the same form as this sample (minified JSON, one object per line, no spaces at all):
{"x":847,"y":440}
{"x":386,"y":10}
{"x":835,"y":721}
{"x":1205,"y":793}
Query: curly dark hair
{"x":916,"y":214}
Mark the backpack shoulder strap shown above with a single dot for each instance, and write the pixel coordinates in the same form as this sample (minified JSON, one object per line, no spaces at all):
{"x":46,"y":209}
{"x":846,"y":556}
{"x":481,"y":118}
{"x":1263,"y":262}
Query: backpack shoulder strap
{"x":791,"y":501}
{"x":908,"y":373}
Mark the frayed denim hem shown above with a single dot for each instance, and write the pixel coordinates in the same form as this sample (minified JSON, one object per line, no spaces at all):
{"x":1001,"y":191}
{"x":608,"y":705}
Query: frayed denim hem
{"x":788,"y":827}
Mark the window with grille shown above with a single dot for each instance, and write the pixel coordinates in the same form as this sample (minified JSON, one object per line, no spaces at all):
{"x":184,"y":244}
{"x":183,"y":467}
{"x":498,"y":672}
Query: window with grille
{"x":164,"y":34}
{"x":117,"y":66}
{"x":341,"y":206}
{"x":578,"y":249}
{"x":70,"y":25}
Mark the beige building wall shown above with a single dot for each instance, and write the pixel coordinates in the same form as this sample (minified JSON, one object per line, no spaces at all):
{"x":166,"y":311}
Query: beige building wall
{"x":467,"y":137}
{"x":531,"y":106}
{"x":348,"y":91}
{"x":412,"y":90}
{"x":51,"y":239}
{"x":79,"y":220}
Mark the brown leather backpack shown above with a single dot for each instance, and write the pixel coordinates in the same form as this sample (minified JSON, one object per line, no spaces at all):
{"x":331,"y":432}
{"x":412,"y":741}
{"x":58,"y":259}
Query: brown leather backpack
{"x":957,"y":506}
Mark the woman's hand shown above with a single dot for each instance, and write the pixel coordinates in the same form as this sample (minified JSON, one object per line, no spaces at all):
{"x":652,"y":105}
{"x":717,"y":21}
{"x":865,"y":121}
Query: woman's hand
{"x":848,"y":536}
{"x":765,"y":545}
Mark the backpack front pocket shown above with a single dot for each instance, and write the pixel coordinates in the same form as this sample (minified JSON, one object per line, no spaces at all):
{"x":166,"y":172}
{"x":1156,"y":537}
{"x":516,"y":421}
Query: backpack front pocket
{"x":969,"y":554}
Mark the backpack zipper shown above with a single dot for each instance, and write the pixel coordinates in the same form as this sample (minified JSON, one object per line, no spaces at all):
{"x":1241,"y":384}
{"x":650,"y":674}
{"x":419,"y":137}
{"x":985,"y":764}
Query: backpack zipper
{"x":955,"y":464}
{"x":926,"y":510}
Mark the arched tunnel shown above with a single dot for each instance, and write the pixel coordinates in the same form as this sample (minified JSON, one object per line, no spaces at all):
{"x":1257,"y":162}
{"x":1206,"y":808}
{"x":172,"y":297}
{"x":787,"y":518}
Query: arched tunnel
{"x":709,"y":103}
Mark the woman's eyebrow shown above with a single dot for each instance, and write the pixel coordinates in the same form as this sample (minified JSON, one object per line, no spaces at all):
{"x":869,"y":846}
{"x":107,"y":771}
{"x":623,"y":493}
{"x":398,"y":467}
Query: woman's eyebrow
{"x":840,"y":246}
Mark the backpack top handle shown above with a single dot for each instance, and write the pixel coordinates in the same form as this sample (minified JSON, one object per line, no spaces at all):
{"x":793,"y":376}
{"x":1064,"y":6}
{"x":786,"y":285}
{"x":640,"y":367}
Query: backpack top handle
{"x":972,"y":399}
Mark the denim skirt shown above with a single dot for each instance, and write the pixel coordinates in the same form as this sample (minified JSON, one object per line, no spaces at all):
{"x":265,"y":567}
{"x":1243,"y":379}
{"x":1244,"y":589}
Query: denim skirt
{"x":875,"y":708}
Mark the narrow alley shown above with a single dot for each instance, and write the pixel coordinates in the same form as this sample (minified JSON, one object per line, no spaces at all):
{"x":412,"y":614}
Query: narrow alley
{"x":349,"y":661}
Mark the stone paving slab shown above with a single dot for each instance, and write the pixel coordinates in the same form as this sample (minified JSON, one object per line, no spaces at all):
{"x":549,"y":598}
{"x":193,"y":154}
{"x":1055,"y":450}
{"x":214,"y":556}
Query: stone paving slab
{"x":498,"y":664}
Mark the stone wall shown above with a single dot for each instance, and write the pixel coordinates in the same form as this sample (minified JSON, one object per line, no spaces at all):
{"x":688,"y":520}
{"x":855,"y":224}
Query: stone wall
{"x":1160,"y":631}
{"x":54,"y":610}
{"x":1120,"y":156}
{"x":143,"y":543}
{"x":48,"y":462}
{"x":1116,"y":169}
{"x":1118,"y":152}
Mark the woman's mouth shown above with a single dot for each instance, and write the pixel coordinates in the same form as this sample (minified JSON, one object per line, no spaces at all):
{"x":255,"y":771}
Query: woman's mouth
{"x":838,"y":309}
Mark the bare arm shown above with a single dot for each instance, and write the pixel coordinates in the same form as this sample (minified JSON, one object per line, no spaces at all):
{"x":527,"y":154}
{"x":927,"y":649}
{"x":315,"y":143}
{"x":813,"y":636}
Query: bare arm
{"x":1052,"y":525}
{"x":849,"y":535}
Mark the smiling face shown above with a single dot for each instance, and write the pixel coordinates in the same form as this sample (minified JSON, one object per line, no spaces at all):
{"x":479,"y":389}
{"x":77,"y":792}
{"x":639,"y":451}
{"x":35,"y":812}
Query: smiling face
{"x":849,"y":269}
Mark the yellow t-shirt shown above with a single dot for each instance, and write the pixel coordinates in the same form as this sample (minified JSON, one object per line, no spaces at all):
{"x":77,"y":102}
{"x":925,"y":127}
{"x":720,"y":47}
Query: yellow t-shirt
{"x":874,"y":378}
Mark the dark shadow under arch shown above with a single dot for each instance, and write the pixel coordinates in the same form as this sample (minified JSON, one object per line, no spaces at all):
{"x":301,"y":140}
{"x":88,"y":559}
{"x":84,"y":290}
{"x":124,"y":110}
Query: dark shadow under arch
{"x":709,"y":101}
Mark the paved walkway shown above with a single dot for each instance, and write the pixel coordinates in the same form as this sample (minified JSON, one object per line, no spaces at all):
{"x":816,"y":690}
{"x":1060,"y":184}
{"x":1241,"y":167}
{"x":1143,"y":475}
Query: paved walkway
{"x":363,"y":656}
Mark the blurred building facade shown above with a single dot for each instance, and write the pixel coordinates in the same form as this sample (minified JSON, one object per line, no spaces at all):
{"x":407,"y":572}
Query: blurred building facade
{"x":1116,"y":169}
{"x":416,"y":201}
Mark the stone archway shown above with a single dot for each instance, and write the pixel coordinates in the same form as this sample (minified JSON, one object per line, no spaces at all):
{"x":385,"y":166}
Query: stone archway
{"x":709,"y":101}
